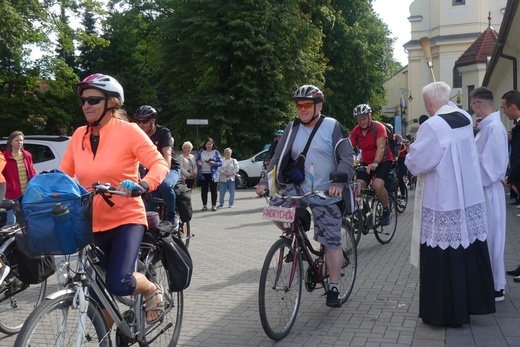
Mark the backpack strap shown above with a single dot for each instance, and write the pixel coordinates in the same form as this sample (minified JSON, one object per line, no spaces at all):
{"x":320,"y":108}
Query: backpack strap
{"x":374,"y":133}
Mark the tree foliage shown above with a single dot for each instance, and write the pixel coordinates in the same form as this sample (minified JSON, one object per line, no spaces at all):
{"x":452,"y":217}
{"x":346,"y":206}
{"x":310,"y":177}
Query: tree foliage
{"x":235,"y":63}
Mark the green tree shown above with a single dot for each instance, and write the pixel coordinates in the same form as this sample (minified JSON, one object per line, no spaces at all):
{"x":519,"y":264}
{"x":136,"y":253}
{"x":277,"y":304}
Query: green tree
{"x":236,"y":64}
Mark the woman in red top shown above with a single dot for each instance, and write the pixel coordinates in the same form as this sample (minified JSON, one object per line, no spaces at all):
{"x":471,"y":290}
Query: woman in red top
{"x":2,"y":179}
{"x":109,"y":149}
{"x":18,"y":170}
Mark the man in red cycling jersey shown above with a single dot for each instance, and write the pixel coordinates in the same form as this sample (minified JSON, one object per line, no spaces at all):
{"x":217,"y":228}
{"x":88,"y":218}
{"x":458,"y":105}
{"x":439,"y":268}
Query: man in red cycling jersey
{"x":401,"y":169}
{"x":375,"y":154}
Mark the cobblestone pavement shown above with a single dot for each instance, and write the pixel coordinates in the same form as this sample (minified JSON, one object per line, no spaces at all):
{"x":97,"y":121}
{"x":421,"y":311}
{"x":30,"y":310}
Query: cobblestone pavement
{"x":221,"y":305}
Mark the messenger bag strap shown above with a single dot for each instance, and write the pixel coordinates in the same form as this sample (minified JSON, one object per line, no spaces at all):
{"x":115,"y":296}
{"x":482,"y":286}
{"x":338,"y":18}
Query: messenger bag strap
{"x":304,"y":153}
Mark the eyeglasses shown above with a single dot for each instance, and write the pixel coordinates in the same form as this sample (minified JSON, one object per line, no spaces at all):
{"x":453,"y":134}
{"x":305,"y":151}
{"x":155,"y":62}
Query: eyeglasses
{"x":300,"y":107}
{"x":92,"y":100}
{"x":142,"y":121}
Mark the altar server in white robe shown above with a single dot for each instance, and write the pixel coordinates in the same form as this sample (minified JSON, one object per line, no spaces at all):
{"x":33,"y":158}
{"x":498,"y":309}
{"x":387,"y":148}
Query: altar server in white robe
{"x":456,"y":280}
{"x":492,"y":150}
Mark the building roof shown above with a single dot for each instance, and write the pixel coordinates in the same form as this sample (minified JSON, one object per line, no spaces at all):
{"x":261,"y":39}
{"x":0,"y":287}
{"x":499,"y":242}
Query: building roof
{"x":480,"y":50}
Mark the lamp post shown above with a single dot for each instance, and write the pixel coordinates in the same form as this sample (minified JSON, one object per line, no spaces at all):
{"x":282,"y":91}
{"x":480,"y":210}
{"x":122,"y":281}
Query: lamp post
{"x":406,"y":94}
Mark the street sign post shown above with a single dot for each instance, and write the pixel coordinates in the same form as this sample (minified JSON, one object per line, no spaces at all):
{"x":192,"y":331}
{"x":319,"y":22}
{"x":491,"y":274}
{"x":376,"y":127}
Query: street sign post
{"x":197,"y":122}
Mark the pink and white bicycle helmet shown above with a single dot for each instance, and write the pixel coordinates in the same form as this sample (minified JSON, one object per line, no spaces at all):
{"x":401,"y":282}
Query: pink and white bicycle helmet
{"x":105,"y":83}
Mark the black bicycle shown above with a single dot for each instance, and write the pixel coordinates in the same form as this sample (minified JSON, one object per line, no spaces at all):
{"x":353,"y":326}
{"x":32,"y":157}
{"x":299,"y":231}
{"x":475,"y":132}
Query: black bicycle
{"x":17,"y":299}
{"x":368,"y":212}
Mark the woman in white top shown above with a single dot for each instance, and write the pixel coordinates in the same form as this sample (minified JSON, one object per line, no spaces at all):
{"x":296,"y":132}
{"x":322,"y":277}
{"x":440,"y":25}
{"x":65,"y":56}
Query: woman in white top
{"x":208,"y":160}
{"x":188,"y":164}
{"x":227,"y":172}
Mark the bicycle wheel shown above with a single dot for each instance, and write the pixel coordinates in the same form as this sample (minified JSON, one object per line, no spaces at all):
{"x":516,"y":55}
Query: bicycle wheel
{"x":349,"y":268}
{"x":184,"y":233}
{"x":168,"y":329}
{"x":17,"y":299}
{"x":412,"y":181}
{"x":278,"y":297}
{"x":384,"y":234}
{"x":401,"y":200}
{"x":354,"y":222}
{"x":55,"y":323}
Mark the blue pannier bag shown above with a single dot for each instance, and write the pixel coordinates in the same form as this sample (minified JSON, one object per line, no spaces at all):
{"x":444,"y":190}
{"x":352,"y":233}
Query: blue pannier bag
{"x":57,"y":212}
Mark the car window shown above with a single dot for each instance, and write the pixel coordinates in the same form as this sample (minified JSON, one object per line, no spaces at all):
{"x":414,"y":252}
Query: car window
{"x":261,"y":156}
{"x":40,"y":153}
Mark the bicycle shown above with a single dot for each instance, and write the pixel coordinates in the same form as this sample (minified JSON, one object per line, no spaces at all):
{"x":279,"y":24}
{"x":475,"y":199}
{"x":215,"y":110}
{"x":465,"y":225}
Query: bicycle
{"x":400,"y":199}
{"x":17,"y":299}
{"x":412,"y":181}
{"x":281,"y":278}
{"x":70,"y":317}
{"x":183,"y":232}
{"x":368,"y":212}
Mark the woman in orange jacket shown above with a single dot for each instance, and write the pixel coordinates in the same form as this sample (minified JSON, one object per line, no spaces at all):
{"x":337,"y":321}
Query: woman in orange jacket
{"x":109,"y":149}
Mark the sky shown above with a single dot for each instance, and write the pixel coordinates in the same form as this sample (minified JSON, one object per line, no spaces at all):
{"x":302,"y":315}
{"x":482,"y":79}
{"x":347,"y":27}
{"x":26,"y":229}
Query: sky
{"x":395,"y":13}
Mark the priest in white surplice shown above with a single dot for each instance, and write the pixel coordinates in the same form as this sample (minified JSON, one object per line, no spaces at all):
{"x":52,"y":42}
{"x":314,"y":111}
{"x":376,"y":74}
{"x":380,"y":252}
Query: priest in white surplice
{"x":492,"y":150}
{"x":455,"y":271}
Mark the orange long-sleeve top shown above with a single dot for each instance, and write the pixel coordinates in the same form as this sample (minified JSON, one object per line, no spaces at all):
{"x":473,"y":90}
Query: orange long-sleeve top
{"x":122,"y":145}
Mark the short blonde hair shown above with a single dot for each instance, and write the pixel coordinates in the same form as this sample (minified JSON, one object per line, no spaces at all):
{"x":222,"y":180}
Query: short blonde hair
{"x":187,"y":144}
{"x":228,"y":150}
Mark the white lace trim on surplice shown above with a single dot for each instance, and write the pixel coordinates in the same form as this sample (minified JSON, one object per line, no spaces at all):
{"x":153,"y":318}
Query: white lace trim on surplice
{"x":454,"y":228}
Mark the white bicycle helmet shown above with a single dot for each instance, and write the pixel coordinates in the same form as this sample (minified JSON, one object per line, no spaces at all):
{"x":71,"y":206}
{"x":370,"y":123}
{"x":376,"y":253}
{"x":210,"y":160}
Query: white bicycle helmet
{"x":308,"y":92}
{"x":362,"y":109}
{"x":105,"y":83}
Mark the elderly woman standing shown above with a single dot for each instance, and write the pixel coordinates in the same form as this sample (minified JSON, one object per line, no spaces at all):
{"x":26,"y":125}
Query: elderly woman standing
{"x":188,"y":164}
{"x":18,"y":170}
{"x":227,"y":172}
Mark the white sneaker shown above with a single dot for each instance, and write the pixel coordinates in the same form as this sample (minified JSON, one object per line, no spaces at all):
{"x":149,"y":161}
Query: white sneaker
{"x":4,"y":271}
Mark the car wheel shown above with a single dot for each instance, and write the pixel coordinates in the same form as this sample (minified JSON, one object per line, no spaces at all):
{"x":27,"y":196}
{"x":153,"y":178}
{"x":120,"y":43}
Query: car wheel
{"x":240,"y":183}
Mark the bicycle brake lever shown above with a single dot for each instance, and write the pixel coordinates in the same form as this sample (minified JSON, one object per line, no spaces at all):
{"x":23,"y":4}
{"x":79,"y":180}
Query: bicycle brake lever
{"x":321,"y":195}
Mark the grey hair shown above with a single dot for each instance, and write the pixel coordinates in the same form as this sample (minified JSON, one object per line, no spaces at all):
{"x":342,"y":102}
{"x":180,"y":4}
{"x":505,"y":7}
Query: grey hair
{"x":438,"y":93}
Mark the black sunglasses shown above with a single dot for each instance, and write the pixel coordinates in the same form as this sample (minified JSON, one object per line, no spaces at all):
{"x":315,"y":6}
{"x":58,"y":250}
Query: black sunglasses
{"x":142,"y":121}
{"x":92,"y":100}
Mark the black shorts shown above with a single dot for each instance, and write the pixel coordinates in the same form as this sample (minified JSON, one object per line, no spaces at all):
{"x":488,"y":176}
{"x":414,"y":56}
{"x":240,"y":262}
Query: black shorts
{"x":382,"y":171}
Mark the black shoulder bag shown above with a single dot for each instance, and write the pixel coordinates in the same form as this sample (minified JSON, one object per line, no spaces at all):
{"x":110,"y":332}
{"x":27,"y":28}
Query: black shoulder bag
{"x":294,"y":172}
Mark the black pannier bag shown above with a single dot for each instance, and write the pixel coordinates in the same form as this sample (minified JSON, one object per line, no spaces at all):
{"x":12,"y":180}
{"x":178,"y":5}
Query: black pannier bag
{"x":32,"y":269}
{"x":183,"y":202}
{"x":177,"y":261}
{"x":391,"y":183}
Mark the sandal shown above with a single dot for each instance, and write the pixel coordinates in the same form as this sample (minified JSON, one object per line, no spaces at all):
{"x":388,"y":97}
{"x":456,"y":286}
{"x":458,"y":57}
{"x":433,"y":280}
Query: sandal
{"x":151,"y":303}
{"x":205,"y":208}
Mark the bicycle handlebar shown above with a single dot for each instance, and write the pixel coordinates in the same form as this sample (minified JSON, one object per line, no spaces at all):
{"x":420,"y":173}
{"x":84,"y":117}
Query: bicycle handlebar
{"x":7,"y":205}
{"x":106,"y":189}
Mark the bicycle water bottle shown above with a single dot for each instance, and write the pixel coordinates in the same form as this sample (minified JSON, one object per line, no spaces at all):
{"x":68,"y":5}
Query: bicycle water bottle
{"x":63,"y":228}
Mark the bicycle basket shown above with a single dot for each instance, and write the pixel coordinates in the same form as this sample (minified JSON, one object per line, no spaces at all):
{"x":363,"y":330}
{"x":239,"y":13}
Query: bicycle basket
{"x":58,"y":234}
{"x":66,"y":235}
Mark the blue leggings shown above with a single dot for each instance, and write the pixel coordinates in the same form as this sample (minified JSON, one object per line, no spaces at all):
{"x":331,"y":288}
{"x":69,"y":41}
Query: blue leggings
{"x":121,"y":248}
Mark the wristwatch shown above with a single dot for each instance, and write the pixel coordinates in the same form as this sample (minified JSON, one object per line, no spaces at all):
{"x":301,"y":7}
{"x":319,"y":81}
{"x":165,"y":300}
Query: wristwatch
{"x":376,"y":161}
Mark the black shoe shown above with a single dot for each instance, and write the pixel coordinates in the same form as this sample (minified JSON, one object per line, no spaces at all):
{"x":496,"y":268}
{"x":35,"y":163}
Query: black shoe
{"x":333,"y":298}
{"x":516,"y":202}
{"x":516,"y":279}
{"x":515,"y":272}
{"x":499,"y":296}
